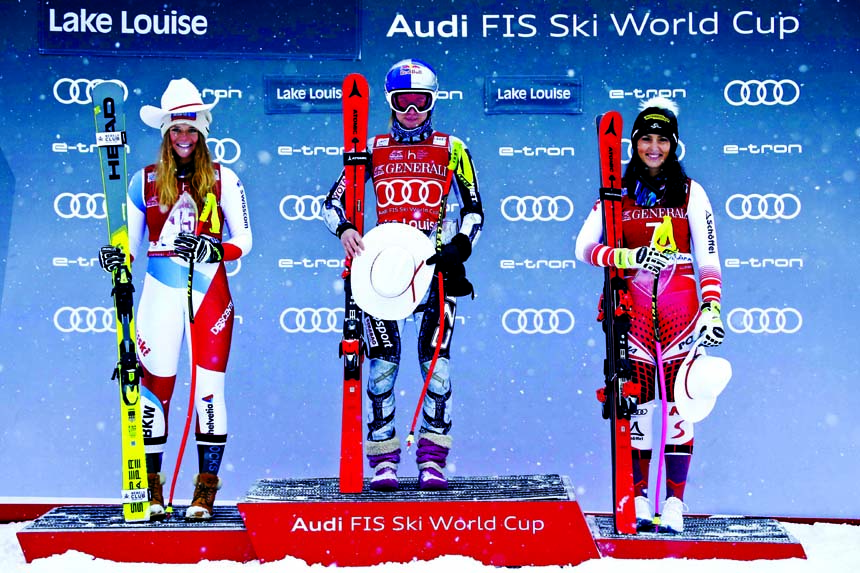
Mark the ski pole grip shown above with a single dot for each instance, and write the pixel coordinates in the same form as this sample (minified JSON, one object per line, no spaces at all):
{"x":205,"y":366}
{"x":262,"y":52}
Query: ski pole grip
{"x":664,"y":239}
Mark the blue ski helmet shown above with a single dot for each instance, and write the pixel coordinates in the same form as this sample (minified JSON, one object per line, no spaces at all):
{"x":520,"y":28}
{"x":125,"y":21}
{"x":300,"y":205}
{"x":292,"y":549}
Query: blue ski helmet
{"x":414,"y":76}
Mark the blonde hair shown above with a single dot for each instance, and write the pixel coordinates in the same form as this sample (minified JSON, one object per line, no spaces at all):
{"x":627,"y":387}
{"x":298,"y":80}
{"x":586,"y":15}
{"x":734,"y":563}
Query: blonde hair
{"x":202,"y":178}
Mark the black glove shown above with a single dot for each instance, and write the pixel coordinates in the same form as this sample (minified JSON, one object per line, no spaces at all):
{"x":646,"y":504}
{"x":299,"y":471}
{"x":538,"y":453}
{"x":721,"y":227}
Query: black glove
{"x":199,"y":248}
{"x":453,"y":254}
{"x":111,"y":258}
{"x":450,"y":263}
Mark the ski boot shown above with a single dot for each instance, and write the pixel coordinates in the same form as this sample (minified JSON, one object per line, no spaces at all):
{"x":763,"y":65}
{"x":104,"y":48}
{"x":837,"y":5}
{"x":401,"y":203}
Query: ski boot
{"x":202,"y":505}
{"x":432,"y":453}
{"x":156,"y":496}
{"x":384,"y":457}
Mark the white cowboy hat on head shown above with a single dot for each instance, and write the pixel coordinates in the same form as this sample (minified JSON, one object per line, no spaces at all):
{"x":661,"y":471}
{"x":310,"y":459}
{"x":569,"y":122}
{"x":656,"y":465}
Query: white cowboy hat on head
{"x":390,"y":277}
{"x":701,"y":378}
{"x":180,"y":103}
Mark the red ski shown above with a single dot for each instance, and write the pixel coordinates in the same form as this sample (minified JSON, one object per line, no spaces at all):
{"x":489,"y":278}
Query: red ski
{"x":355,"y":159}
{"x":619,"y":395}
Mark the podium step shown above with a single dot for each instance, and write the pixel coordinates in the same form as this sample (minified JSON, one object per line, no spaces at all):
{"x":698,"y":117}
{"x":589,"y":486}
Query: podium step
{"x":715,"y":537}
{"x":507,"y":521}
{"x":102,"y":532}
{"x":498,"y":520}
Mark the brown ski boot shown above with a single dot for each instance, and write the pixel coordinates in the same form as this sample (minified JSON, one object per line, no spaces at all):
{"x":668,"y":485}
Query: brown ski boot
{"x":202,"y":505}
{"x":156,"y":496}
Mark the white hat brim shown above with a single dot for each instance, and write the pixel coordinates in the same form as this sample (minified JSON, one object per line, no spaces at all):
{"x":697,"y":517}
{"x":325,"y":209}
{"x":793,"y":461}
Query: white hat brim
{"x":154,"y":116}
{"x":391,"y":235}
{"x":697,"y":363}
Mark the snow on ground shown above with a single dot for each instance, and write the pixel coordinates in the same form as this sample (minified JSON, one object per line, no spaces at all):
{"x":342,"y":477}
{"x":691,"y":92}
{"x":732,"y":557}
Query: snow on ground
{"x":830,"y":548}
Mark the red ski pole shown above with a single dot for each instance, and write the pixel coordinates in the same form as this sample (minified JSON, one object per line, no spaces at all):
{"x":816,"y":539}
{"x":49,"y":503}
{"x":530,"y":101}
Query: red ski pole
{"x":208,"y":208}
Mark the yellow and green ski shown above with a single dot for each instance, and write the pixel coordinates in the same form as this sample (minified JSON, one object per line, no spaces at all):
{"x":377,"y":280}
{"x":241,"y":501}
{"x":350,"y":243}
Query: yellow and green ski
{"x":111,"y":141}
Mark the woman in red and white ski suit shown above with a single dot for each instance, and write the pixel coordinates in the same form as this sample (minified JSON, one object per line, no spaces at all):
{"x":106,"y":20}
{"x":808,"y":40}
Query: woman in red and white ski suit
{"x":165,"y":209}
{"x":656,"y":186}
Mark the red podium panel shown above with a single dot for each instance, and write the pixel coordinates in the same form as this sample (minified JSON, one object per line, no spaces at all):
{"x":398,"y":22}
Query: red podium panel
{"x":101,"y":532}
{"x":500,"y":520}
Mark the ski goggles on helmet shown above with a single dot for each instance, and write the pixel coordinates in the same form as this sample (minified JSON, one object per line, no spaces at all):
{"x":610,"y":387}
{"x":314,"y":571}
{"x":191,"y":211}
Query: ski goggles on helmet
{"x":401,"y":100}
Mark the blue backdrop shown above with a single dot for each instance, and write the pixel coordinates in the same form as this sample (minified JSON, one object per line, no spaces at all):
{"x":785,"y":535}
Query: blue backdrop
{"x":768,"y":120}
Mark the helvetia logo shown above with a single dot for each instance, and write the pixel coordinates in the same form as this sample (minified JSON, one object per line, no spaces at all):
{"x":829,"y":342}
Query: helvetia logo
{"x":210,"y":413}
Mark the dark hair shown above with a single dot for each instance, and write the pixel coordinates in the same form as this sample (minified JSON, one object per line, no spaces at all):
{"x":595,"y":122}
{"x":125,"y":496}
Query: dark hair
{"x":672,"y":174}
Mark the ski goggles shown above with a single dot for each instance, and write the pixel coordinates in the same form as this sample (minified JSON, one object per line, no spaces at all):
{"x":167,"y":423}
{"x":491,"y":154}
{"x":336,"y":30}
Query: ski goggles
{"x":401,"y":100}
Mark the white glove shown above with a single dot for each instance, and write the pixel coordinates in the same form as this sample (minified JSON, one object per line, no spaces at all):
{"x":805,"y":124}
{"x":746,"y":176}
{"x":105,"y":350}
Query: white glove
{"x":709,"y":327}
{"x":646,"y":258}
{"x":111,"y":258}
{"x":200,"y":248}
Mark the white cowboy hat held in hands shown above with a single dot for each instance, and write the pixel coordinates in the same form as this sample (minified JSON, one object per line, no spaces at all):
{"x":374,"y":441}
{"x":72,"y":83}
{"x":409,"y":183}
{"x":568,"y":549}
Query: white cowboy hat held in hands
{"x":701,"y":378}
{"x":391,"y":275}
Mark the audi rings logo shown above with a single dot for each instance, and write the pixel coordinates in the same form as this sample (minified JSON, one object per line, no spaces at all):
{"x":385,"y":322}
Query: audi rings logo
{"x":765,"y":320}
{"x":68,"y":91}
{"x":233,"y":267}
{"x":302,"y":207}
{"x":537,"y":208}
{"x":84,"y":319}
{"x":757,"y":92}
{"x":80,"y":205}
{"x":307,"y":320}
{"x":225,"y":150}
{"x":415,"y":192}
{"x":769,"y":206}
{"x":537,"y":321}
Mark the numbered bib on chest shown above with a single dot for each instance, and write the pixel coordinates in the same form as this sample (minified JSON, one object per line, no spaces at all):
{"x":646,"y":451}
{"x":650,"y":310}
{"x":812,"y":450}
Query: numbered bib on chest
{"x":182,"y":218}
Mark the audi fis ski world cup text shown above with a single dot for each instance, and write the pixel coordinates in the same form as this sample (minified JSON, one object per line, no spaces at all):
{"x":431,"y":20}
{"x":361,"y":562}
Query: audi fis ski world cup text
{"x":744,"y":22}
{"x":381,"y":523}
